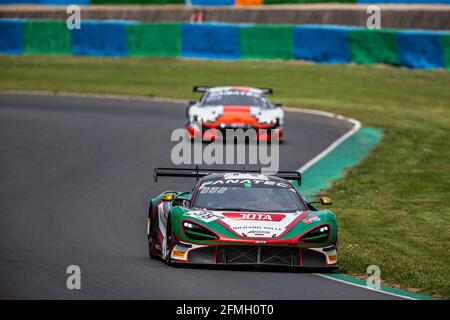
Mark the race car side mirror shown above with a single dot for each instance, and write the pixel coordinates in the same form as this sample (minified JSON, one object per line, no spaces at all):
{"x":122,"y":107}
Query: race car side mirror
{"x":167,"y":197}
{"x":182,"y":199}
{"x":191,"y":103}
{"x":278,"y":105}
{"x":181,"y":202}
{"x":326,"y":201}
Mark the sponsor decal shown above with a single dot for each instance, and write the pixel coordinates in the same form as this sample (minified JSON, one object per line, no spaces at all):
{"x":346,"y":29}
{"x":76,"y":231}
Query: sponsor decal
{"x":178,"y":253}
{"x":254,"y":233}
{"x":264,"y":225}
{"x":213,"y":190}
{"x":258,"y":228}
{"x":245,"y":176}
{"x":252,"y":181}
{"x":205,"y":216}
{"x":311,"y":219}
{"x":255,"y":216}
{"x":217,"y":94}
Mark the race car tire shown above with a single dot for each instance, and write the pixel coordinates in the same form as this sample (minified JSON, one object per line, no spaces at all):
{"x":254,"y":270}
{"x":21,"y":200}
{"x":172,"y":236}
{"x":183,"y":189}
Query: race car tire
{"x":168,"y":239}
{"x":152,"y":231}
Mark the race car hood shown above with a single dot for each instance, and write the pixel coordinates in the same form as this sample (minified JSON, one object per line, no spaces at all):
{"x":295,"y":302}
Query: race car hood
{"x":251,"y":224}
{"x":235,"y":115}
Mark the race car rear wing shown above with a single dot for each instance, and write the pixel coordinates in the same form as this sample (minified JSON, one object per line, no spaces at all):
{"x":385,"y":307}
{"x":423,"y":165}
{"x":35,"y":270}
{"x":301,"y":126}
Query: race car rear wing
{"x":266,"y":90}
{"x":201,"y":88}
{"x":198,"y":173}
{"x":206,"y":88}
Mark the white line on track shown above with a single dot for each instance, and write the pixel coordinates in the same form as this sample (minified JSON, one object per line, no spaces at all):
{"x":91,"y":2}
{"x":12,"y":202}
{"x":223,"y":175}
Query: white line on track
{"x":364,"y":287}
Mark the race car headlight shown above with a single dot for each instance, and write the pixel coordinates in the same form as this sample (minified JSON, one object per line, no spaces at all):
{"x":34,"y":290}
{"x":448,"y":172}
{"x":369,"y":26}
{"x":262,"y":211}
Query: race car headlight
{"x":197,"y":232}
{"x":198,"y":119}
{"x":204,"y":119}
{"x":317,"y":235}
{"x":269,"y":121}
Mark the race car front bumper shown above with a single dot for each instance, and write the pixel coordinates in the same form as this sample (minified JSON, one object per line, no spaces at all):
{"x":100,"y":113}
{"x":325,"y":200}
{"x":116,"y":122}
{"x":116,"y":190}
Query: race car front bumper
{"x":212,"y":134}
{"x":287,"y":256}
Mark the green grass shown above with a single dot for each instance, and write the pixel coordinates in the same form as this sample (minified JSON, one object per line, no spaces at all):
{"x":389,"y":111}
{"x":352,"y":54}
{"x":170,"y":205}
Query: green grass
{"x":392,"y":208}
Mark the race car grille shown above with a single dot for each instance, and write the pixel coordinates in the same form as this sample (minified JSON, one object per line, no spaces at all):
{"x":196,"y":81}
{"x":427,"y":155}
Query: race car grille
{"x":264,"y":255}
{"x":223,"y":130}
{"x":312,"y":259}
{"x":202,"y":255}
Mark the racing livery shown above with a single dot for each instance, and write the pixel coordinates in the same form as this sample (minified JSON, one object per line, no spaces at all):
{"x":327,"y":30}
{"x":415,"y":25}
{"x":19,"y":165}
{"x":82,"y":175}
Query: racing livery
{"x":222,"y":108}
{"x":240,"y":218}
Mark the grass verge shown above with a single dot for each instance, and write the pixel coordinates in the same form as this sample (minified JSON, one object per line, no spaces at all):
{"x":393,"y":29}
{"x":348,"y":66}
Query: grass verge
{"x":392,"y":207}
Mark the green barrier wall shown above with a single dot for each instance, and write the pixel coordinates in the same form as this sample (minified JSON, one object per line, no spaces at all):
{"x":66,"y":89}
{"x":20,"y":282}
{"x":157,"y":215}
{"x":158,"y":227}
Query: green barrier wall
{"x":410,"y":48}
{"x":373,"y":46}
{"x":162,"y":39}
{"x":445,"y":39}
{"x":46,"y":37}
{"x":267,"y":42}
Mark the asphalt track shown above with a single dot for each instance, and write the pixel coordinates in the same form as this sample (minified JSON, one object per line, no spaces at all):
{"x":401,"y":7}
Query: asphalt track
{"x":75,"y":179}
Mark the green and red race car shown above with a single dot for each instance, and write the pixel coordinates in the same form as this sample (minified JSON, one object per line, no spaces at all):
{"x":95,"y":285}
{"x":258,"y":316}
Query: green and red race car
{"x":240,"y":218}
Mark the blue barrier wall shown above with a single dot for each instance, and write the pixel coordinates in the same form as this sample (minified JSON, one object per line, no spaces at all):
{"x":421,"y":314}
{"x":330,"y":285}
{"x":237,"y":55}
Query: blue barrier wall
{"x":420,"y":49}
{"x":107,"y":38}
{"x":11,"y":36}
{"x":216,"y":41}
{"x":325,"y":44}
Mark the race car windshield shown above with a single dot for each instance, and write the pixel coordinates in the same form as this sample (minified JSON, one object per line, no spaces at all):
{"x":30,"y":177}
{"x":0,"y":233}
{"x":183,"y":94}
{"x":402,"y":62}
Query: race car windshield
{"x":235,"y":98}
{"x":248,"y":198}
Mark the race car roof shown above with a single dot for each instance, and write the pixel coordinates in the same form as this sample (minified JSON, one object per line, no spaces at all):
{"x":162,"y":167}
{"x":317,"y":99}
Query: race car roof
{"x":225,"y":174}
{"x":241,"y":176}
{"x":256,"y":91}
{"x":246,"y":180}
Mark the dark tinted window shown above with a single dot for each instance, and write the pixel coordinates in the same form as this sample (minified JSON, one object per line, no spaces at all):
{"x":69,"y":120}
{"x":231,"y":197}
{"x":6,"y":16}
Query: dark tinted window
{"x":235,"y":98}
{"x":248,"y":197}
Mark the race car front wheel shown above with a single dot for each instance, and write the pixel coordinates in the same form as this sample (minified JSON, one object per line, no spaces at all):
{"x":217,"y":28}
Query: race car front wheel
{"x":168,"y":242}
{"x":151,"y":233}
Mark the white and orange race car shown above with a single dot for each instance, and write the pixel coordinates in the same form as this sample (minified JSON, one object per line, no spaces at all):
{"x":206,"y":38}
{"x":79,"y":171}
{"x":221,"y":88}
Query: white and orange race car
{"x":222,"y":108}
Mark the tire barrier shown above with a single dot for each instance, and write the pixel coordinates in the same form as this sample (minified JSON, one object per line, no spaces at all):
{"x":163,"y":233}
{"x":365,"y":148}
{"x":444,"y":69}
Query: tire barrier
{"x":209,"y":40}
{"x":318,"y":43}
{"x":420,"y":49}
{"x":11,"y":36}
{"x":46,"y":37}
{"x":154,"y":39}
{"x":217,"y":2}
{"x":267,"y":42}
{"x":100,"y":39}
{"x":365,"y":44}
